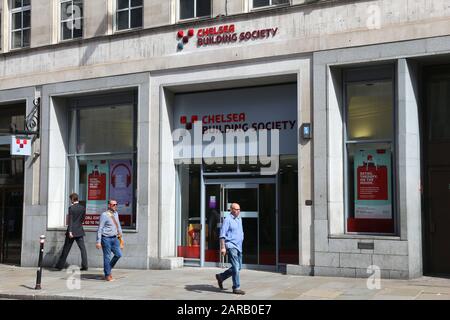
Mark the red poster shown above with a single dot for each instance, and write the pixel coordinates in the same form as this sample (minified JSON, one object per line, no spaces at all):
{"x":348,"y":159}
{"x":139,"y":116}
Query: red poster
{"x":372,"y":181}
{"x":97,"y":185}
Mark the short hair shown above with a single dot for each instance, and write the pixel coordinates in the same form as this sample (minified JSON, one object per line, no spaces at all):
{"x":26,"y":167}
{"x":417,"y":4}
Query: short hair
{"x":109,"y":201}
{"x":73,"y":196}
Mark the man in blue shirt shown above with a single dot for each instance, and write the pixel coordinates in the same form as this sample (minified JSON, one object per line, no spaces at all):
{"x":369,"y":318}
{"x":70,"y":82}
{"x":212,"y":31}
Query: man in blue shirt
{"x":107,"y":238}
{"x":231,"y":238}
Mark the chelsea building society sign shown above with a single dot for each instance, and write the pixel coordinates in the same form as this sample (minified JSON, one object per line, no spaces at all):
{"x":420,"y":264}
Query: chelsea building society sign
{"x":223,"y":34}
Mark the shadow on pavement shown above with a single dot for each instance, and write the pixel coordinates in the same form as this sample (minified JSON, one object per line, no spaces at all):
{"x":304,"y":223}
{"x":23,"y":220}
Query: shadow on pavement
{"x":200,"y":288}
{"x":28,"y":287}
{"x":96,"y":277}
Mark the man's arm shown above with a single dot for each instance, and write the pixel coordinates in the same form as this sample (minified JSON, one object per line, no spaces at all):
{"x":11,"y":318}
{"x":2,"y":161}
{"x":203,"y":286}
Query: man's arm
{"x":223,"y":234}
{"x":70,"y":226}
{"x":100,"y":228}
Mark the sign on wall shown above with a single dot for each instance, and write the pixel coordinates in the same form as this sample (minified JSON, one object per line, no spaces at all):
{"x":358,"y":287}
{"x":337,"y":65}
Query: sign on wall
{"x":121,"y":188}
{"x":97,"y":190}
{"x":373,"y":190}
{"x":20,"y":146}
{"x":256,"y":108}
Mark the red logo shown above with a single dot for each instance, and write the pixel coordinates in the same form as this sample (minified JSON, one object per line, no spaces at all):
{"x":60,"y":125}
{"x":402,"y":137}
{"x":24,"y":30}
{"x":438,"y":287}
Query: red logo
{"x":21,"y":143}
{"x":188,"y":125}
{"x":184,"y":38}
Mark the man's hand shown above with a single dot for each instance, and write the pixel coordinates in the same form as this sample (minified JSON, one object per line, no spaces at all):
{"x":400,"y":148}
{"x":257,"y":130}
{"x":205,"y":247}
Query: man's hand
{"x":70,"y":235}
{"x":98,"y":246}
{"x":223,"y":251}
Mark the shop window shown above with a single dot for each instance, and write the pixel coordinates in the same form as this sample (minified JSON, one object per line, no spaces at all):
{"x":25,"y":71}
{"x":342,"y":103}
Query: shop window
{"x":370,"y":150}
{"x":102,"y":156}
{"x":189,"y":211}
{"x":71,"y":19}
{"x":190,"y":9}
{"x":129,"y":14}
{"x":20,"y":23}
{"x":267,"y":3}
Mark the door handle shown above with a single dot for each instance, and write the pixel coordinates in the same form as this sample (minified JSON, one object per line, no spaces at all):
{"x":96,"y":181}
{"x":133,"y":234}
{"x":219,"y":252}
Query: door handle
{"x":432,"y":227}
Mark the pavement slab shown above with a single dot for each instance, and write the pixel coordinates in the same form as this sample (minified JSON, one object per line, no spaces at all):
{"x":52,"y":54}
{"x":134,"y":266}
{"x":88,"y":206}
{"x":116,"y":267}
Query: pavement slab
{"x":193,"y":283}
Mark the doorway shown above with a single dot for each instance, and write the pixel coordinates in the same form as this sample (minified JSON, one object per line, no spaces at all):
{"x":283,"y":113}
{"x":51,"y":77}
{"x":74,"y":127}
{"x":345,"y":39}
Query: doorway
{"x":257,"y":198}
{"x":11,"y":185}
{"x":436,"y":140}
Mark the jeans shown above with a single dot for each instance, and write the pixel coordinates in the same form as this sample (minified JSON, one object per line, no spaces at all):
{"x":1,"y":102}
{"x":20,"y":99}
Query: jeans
{"x":110,"y":245}
{"x":235,"y":258}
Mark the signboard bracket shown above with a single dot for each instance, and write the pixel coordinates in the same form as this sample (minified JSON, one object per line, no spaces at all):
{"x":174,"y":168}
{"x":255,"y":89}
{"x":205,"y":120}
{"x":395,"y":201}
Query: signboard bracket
{"x":32,"y":121}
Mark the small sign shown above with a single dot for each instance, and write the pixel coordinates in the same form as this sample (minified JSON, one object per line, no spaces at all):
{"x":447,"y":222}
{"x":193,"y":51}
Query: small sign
{"x":20,"y":146}
{"x":366,"y":246}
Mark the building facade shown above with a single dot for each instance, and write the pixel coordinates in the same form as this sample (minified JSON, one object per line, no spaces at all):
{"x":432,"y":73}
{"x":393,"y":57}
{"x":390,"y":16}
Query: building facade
{"x":350,"y":97}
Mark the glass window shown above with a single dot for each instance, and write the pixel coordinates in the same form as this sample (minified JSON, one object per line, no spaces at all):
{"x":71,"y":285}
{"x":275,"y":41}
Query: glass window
{"x":194,"y":9}
{"x":102,"y":156}
{"x":71,"y":19}
{"x":20,"y":23}
{"x":370,"y":153}
{"x":266,"y":3}
{"x":129,"y":14}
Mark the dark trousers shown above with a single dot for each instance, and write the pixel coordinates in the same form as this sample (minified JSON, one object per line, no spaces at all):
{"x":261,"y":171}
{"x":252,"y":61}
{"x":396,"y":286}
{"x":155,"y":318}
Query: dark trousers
{"x":67,"y":246}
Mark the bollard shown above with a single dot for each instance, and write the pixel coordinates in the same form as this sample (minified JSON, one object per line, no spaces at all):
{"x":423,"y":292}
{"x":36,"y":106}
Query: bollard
{"x":39,"y":272}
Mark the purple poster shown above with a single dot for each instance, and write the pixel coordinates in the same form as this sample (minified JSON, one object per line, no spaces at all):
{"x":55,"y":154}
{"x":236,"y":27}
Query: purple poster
{"x":121,"y":188}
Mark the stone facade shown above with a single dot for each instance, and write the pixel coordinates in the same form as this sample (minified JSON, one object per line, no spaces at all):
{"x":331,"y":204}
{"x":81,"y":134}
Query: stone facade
{"x":313,"y":38}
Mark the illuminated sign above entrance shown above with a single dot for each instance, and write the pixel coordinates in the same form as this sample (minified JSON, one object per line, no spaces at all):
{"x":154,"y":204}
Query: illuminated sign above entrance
{"x":224,"y":34}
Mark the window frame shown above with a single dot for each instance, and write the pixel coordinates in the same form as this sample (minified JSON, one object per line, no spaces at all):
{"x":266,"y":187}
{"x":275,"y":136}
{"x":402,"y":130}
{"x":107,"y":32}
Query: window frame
{"x":374,"y":76}
{"x":61,"y":21}
{"x":195,"y":17}
{"x":269,"y":6}
{"x":99,"y":102}
{"x":129,"y":8}
{"x":13,"y":11}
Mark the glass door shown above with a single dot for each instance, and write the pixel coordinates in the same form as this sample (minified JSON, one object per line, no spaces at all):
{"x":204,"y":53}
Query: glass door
{"x":247,"y":196}
{"x":258,"y":202}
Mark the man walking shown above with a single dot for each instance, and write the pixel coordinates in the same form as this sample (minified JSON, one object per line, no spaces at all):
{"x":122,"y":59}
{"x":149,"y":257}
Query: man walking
{"x":74,"y":232}
{"x":108,"y":232}
{"x":231,"y":238}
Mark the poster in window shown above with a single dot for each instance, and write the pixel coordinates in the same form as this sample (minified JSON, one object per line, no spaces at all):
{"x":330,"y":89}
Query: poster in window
{"x":121,"y":189}
{"x":97,"y":190}
{"x":373,"y":190}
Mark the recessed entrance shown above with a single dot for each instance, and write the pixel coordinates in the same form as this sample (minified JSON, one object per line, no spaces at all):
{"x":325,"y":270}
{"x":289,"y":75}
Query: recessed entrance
{"x":11,"y":186}
{"x":258,"y":202}
{"x":436,"y":137}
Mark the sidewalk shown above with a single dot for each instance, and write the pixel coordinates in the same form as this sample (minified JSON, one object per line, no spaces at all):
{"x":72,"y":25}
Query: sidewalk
{"x":200,"y":284}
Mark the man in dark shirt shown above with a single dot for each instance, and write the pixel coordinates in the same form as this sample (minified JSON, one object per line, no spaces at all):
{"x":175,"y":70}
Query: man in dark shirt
{"x":74,"y":232}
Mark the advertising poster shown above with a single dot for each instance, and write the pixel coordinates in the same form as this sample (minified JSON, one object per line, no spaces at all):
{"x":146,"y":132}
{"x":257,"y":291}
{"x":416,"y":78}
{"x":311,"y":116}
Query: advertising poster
{"x":121,"y":188}
{"x":97,"y":190}
{"x":373,"y":196}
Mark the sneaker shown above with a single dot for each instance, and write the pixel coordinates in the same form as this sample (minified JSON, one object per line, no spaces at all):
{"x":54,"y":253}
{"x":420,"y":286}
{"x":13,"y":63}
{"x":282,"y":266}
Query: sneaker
{"x":238,"y":291}
{"x":219,"y":281}
{"x":109,"y":278}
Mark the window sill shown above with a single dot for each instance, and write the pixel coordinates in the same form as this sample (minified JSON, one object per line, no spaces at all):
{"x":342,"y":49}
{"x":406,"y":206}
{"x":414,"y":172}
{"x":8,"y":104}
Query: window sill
{"x":270,"y":7}
{"x":364,"y":237}
{"x":195,"y":19}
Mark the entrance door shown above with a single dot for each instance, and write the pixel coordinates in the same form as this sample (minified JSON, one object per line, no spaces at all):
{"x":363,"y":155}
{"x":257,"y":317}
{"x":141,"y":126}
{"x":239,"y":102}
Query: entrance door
{"x":437,"y":170}
{"x":11,"y":225}
{"x":258,"y":213}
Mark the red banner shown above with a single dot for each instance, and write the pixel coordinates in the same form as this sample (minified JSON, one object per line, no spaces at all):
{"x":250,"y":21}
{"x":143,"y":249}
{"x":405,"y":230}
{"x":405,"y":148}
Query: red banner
{"x":372,"y":182}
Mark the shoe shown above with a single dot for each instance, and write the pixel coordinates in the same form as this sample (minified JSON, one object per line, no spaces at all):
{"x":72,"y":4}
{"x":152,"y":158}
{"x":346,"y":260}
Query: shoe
{"x":238,"y":291}
{"x":219,"y":281}
{"x":109,"y":278}
{"x":84,"y":269}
